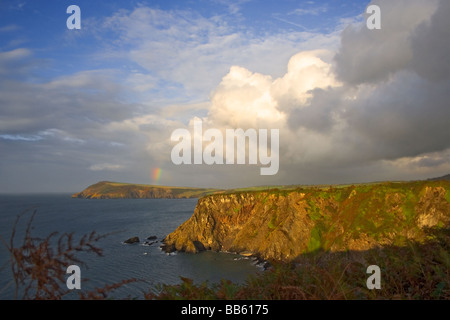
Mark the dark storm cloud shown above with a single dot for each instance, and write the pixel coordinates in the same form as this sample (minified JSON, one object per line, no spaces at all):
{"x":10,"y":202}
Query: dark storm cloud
{"x":395,"y":112}
{"x":393,"y":102}
{"x":431,"y":46}
{"x":405,"y":117}
{"x":325,"y":106}
{"x":406,"y":114}
{"x":369,"y":56}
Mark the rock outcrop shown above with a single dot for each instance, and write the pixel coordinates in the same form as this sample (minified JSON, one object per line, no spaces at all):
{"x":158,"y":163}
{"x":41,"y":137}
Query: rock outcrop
{"x":132,"y":240}
{"x":283,"y":224}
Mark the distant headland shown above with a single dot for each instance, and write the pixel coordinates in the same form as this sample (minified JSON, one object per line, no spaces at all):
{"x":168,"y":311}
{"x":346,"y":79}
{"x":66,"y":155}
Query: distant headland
{"x":119,"y":190}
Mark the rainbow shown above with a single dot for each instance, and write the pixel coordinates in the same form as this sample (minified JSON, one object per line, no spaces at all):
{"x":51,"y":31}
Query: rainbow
{"x":156,"y":174}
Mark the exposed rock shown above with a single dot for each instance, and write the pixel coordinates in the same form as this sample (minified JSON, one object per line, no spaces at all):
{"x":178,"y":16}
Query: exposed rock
{"x":132,"y":240}
{"x":152,"y":238}
{"x":199,"y":247}
{"x":281,"y":225}
{"x":433,"y":211}
{"x":168,"y":248}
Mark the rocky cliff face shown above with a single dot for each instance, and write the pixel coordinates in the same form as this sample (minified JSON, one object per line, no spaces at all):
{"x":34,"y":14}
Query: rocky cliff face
{"x":281,"y":225}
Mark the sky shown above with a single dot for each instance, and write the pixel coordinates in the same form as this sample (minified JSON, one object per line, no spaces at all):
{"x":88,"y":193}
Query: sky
{"x":100,"y":103}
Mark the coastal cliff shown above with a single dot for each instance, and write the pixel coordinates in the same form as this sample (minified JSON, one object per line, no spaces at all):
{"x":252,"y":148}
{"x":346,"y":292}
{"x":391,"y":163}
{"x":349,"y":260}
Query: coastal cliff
{"x":283,"y":224}
{"x":118,"y":190}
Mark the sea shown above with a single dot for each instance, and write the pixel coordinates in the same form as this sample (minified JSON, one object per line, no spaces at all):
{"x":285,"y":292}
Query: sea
{"x":118,"y":220}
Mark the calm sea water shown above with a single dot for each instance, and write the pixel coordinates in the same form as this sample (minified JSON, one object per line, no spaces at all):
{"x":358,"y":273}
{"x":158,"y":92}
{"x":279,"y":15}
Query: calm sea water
{"x":121,"y":219}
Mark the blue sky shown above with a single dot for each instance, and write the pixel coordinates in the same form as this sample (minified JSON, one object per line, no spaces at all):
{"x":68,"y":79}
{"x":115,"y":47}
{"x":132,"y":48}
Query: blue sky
{"x":100,"y":103}
{"x":40,"y":26}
